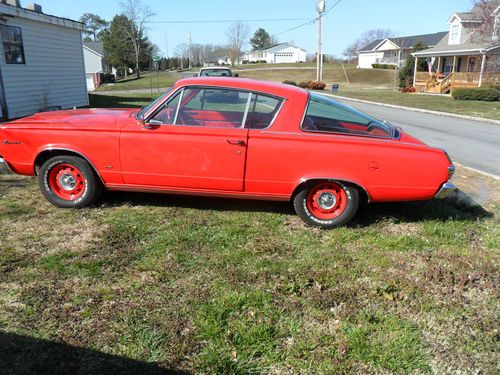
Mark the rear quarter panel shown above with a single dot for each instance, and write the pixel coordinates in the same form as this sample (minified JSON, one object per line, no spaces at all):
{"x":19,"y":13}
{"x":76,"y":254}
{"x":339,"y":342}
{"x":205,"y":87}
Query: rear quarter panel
{"x":388,"y":170}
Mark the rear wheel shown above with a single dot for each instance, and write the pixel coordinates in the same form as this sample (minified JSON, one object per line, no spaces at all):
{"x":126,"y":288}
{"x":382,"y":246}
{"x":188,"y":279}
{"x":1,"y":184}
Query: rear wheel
{"x":326,"y":204}
{"x":69,"y":182}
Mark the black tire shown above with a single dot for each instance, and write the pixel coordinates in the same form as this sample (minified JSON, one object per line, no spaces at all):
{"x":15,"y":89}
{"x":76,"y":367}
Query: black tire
{"x":350,"y":196}
{"x":91,"y":187}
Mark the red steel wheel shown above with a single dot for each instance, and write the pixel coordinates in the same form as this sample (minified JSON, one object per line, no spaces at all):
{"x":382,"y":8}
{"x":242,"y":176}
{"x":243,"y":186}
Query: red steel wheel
{"x":326,"y":201}
{"x":326,"y":204}
{"x":69,"y":181}
{"x":66,"y":181}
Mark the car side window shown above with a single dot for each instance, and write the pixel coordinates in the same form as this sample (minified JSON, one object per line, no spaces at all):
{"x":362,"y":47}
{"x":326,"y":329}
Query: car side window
{"x":329,"y":116}
{"x":212,"y":107}
{"x":166,"y":113}
{"x":262,"y":111}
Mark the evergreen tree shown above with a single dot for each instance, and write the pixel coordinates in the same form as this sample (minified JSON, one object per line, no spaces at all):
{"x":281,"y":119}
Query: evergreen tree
{"x":406,"y":72}
{"x":260,"y":39}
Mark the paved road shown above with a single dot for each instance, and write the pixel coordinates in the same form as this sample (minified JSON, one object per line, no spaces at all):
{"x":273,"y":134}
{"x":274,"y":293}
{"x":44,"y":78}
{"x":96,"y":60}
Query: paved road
{"x":474,"y":144}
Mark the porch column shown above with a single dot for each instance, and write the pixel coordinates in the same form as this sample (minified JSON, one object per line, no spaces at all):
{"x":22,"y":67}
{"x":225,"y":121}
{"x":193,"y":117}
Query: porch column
{"x":454,"y":64}
{"x":438,"y":70}
{"x":483,"y":64}
{"x":415,"y":71}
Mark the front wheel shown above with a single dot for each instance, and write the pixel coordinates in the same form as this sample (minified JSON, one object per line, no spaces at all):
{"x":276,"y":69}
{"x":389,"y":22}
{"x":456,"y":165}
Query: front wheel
{"x":69,"y":182}
{"x":326,"y":204}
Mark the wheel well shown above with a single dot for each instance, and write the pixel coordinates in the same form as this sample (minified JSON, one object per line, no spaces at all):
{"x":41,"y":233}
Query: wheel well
{"x":363,"y":194}
{"x":47,"y":154}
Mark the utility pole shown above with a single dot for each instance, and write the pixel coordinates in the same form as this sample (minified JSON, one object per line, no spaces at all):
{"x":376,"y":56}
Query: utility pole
{"x":190,"y":55}
{"x":320,"y":8}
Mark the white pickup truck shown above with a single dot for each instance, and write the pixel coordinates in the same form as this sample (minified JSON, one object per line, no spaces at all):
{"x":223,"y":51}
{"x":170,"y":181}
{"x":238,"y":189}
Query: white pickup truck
{"x":215,"y":71}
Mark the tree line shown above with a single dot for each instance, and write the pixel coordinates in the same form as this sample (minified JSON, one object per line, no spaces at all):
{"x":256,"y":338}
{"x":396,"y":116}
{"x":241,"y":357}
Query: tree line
{"x":128,"y":48}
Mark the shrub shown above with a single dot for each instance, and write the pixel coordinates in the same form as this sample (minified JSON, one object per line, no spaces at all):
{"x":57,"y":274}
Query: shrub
{"x":383,"y":66}
{"x":288,"y":82}
{"x":312,"y":85}
{"x":245,"y":61}
{"x":261,"y":61}
{"x":409,"y":89}
{"x":487,"y":94}
{"x":316,"y":85}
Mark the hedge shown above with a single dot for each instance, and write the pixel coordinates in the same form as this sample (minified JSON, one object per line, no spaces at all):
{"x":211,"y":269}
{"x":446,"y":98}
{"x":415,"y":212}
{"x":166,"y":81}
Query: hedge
{"x":383,"y":66}
{"x":487,"y":94}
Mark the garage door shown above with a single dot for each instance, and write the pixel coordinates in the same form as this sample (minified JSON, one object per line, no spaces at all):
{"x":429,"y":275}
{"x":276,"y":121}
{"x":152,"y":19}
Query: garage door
{"x":89,"y":77}
{"x":284,"y":58}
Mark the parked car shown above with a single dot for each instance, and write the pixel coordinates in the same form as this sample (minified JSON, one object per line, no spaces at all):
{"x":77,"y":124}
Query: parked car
{"x":229,"y":138}
{"x":216,"y":71}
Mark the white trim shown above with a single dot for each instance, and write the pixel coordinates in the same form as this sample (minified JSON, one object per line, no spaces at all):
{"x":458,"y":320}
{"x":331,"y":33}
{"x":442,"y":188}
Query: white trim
{"x":450,"y":52}
{"x":40,"y":17}
{"x":91,"y":50}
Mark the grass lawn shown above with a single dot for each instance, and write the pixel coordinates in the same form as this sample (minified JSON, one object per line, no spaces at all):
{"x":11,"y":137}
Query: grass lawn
{"x":147,"y":282}
{"x":433,"y":102}
{"x":147,"y":80}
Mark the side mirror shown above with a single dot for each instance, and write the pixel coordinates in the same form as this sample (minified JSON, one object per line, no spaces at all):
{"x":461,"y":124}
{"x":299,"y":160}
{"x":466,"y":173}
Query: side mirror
{"x":236,"y":75}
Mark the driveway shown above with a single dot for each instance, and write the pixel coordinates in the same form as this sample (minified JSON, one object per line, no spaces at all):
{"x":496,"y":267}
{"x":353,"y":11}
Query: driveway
{"x":475,"y":144}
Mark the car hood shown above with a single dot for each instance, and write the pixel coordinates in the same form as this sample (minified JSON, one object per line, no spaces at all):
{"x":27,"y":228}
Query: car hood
{"x":97,"y":118}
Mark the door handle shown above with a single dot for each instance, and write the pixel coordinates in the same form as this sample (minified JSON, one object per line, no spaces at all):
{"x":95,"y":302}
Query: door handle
{"x":237,"y":142}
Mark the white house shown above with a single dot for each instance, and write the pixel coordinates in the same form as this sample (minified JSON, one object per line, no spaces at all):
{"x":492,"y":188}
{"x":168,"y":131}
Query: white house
{"x":41,"y":61}
{"x":394,"y":50}
{"x":95,"y":63}
{"x":277,"y":53}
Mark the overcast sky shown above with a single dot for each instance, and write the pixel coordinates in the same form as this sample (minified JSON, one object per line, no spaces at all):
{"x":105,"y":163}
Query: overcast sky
{"x":344,"y":23}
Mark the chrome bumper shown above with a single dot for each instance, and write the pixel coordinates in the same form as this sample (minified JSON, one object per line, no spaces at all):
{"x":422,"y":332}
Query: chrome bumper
{"x":4,"y":167}
{"x":446,"y":189}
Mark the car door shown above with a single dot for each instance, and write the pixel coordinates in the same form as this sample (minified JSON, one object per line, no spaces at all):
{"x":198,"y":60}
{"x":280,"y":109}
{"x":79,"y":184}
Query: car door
{"x":195,"y":140}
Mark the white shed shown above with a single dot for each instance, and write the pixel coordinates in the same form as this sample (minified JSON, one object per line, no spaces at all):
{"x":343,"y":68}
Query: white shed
{"x":41,"y":61}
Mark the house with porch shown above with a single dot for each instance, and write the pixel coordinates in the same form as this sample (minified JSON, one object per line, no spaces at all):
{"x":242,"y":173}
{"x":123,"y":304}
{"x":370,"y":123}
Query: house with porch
{"x":394,"y":50}
{"x":468,"y":56}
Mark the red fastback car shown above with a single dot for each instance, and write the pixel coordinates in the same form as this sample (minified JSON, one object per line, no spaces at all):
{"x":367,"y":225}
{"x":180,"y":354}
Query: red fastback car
{"x":228,"y":137}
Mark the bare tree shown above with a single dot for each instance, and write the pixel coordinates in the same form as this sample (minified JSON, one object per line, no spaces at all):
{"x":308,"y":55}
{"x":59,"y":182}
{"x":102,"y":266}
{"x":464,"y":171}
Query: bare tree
{"x":485,"y":30}
{"x":137,"y":15}
{"x":237,"y":35}
{"x":366,"y":38}
{"x":484,"y":24}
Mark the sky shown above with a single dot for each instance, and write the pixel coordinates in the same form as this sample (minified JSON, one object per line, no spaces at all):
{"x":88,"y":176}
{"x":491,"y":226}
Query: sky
{"x":341,"y":26}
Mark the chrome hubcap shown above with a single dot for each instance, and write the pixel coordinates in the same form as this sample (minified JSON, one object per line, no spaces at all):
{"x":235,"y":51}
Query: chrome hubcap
{"x":67,"y":181}
{"x":327,"y":200}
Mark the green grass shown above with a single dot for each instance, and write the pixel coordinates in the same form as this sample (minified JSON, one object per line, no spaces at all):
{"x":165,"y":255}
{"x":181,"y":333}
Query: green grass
{"x":147,"y":80}
{"x":433,"y":102}
{"x":146,"y":282}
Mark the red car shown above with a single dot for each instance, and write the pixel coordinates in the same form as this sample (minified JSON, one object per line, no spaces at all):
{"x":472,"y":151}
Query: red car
{"x":228,"y":137}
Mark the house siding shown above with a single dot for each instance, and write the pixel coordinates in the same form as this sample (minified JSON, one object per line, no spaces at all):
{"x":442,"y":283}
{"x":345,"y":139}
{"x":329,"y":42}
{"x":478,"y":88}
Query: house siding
{"x":53,"y":75}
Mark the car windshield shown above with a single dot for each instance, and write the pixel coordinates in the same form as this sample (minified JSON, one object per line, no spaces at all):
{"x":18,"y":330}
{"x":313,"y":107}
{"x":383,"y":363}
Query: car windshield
{"x":215,"y":73}
{"x":146,"y":108}
{"x":327,"y":115}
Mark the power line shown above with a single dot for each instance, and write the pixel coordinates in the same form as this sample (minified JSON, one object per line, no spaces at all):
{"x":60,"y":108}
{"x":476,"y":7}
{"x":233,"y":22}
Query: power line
{"x":226,"y":21}
{"x":296,"y":27}
{"x":314,"y":20}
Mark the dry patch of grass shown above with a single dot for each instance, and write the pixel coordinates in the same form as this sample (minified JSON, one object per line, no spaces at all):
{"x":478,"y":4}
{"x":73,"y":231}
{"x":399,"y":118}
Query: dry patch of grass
{"x":144,"y":283}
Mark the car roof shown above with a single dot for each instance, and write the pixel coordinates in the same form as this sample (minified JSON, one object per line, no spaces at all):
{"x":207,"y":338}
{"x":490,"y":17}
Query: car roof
{"x":273,"y":88}
{"x":215,"y":67}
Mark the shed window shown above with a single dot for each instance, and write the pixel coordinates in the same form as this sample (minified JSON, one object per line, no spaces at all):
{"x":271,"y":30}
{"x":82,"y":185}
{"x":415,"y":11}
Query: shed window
{"x":12,"y":44}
